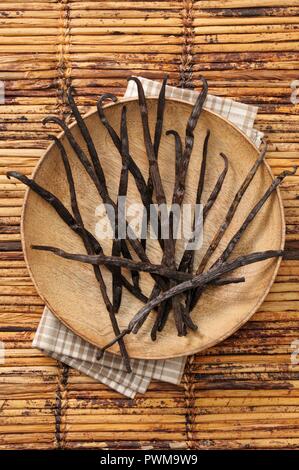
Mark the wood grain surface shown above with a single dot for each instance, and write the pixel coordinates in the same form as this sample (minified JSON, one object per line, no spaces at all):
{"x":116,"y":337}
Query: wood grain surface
{"x":244,"y":393}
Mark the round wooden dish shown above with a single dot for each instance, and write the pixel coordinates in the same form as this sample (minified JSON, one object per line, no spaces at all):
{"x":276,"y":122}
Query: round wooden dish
{"x":69,"y":288}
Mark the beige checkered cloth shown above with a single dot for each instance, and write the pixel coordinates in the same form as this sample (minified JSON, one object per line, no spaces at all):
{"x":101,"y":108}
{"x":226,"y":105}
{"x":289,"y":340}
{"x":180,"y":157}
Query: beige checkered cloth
{"x":59,"y":342}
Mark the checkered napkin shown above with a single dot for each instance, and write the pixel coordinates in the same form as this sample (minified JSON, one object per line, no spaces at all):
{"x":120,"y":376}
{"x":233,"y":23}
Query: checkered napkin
{"x":59,"y":342}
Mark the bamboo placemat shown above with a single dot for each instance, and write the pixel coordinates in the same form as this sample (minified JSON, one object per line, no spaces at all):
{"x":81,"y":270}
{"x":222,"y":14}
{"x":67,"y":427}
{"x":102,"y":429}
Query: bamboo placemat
{"x":242,"y":393}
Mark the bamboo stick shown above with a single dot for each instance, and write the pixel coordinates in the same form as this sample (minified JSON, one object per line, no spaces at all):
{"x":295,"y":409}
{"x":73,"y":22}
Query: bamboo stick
{"x":111,"y":40}
{"x":37,"y":437}
{"x":109,"y":429}
{"x":253,"y":47}
{"x":129,"y":435}
{"x":129,"y":445}
{"x":14,"y":300}
{"x":127,"y":14}
{"x":256,"y":359}
{"x":155,"y":5}
{"x":164,"y":47}
{"x":99,"y":23}
{"x":238,"y":402}
{"x":246,"y":38}
{"x":255,"y":393}
{"x":15,"y":6}
{"x":236,"y":30}
{"x":234,"y":21}
{"x":17,"y":413}
{"x":245,"y":3}
{"x":276,"y":10}
{"x":287,"y":443}
{"x":18,"y":14}
{"x":166,"y":420}
{"x":154,"y":29}
{"x":271,"y":433}
{"x":142,"y":412}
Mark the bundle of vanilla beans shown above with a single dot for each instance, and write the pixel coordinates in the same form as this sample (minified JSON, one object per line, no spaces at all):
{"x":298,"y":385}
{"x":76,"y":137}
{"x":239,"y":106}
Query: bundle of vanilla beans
{"x":177,"y":286}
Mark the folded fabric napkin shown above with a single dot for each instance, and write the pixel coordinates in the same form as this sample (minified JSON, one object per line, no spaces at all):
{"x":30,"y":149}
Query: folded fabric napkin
{"x":61,"y":343}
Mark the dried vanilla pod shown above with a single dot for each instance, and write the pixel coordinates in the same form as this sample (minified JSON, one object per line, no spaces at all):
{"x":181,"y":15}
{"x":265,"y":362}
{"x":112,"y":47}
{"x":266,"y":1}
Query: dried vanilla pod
{"x":175,"y":287}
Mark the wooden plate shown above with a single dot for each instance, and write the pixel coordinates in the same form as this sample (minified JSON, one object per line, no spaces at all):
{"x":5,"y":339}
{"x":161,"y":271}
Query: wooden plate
{"x":69,"y":288}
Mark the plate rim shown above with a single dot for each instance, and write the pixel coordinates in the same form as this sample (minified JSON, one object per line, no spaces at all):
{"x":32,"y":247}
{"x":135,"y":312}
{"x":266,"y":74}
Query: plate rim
{"x":213,"y":342}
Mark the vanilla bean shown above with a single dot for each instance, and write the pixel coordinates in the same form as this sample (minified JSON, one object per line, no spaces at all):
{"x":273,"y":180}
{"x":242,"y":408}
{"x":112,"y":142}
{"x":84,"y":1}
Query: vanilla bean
{"x":191,"y":253}
{"x":163,"y":312}
{"x":112,"y":308}
{"x":216,"y":282}
{"x":177,"y":198}
{"x":133,"y":168}
{"x":199,"y":192}
{"x":104,"y":120}
{"x":228,"y":280}
{"x":113,"y":261}
{"x":133,"y":289}
{"x":122,"y":192}
{"x":194,"y":296}
{"x":207,"y":207}
{"x":111,"y":343}
{"x":178,"y":149}
{"x":203,"y":168}
{"x":153,"y":165}
{"x":180,"y":181}
{"x":66,"y":216}
{"x":158,"y":128}
{"x":90,"y":249}
{"x":231,"y":211}
{"x":182,"y":168}
{"x":75,"y":208}
{"x":123,"y":182}
{"x":200,"y":280}
{"x":103,"y":192}
{"x":160,"y":116}
{"x":205,"y":278}
{"x":168,"y":256}
{"x":70,"y":180}
{"x":87,"y":137}
{"x":179,"y":186}
{"x":236,"y":238}
{"x":218,"y":186}
{"x":124,"y":178}
{"x":157,"y":140}
{"x":191,"y":124}
{"x":136,"y":173}
{"x":191,"y":325}
{"x":99,"y":180}
{"x":188,"y":257}
{"x":188,"y":322}
{"x":51,"y":199}
{"x":187,"y":261}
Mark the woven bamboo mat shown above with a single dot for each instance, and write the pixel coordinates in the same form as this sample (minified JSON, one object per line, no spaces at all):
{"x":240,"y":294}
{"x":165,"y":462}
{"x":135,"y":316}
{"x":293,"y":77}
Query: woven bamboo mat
{"x":243,"y":393}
